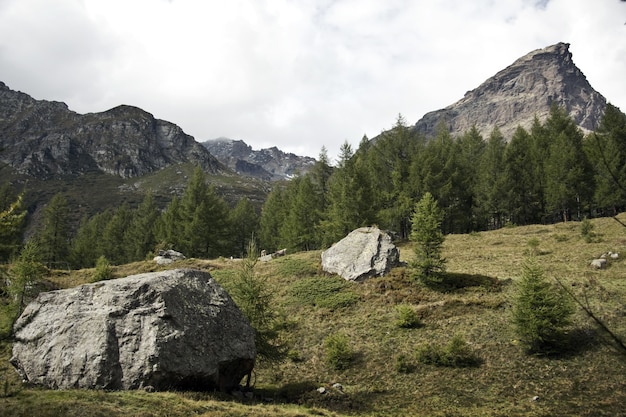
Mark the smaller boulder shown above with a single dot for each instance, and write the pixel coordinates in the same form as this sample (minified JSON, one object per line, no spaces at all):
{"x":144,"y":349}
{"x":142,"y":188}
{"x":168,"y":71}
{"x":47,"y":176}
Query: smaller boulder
{"x":364,"y":253}
{"x":598,"y":263}
{"x":166,"y":257}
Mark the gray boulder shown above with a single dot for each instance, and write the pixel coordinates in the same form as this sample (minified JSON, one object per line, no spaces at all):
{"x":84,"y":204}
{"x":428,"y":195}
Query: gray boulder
{"x":174,"y":329}
{"x":364,"y":253}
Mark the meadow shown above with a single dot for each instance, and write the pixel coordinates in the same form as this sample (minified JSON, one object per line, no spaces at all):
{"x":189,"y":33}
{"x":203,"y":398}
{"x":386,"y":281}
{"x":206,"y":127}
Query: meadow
{"x":385,"y":374}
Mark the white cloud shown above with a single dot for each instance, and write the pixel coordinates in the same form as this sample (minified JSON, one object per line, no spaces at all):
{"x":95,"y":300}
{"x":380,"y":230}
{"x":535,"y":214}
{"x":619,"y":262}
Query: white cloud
{"x":297,"y":74}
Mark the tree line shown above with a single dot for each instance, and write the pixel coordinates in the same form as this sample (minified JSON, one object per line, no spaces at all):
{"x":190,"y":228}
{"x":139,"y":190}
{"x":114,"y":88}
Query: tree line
{"x":551,"y":172}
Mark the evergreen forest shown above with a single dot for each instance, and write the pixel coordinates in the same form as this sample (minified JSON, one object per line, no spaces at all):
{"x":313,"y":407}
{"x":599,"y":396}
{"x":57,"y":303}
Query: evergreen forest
{"x":552,"y":172}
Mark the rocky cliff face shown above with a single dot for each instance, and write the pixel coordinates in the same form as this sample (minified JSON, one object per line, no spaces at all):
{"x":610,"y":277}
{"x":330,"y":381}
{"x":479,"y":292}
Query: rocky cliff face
{"x":269,"y":164}
{"x":513,"y":97}
{"x":45,"y":139}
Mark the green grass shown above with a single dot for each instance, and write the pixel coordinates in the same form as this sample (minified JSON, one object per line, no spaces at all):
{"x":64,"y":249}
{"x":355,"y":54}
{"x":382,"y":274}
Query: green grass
{"x":384,"y":376}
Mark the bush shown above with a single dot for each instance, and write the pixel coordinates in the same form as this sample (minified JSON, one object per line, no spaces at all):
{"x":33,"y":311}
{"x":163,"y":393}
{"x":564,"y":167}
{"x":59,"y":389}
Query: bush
{"x":103,"y":271}
{"x":457,"y":353}
{"x":586,"y":230}
{"x":255,"y":299}
{"x":541,"y":312}
{"x":403,"y":365}
{"x":339,"y":354}
{"x":323,"y":292}
{"x":407,"y":318}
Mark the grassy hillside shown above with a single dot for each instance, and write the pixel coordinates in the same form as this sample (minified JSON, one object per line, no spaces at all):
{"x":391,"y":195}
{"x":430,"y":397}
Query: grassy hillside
{"x":385,"y":376}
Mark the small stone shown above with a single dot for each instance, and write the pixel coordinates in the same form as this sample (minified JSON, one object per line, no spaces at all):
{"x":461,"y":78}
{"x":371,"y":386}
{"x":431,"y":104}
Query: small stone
{"x":536,"y":398}
{"x":338,"y":386}
{"x":321,"y":390}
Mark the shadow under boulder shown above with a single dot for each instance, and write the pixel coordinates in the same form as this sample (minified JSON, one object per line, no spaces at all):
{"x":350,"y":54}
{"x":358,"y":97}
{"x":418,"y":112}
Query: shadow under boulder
{"x":174,"y":329}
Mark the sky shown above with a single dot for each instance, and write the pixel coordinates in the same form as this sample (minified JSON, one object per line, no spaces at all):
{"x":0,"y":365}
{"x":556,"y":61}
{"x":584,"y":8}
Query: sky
{"x":296,"y":74}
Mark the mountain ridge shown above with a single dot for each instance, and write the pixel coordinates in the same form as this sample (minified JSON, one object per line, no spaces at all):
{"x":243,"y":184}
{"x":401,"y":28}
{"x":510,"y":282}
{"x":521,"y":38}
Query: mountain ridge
{"x":270,"y":164}
{"x":45,"y":139}
{"x":515,"y":95}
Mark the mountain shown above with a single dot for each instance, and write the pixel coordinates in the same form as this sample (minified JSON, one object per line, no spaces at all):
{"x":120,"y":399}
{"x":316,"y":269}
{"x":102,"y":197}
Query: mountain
{"x":515,"y":95}
{"x":270,"y":164}
{"x":44,"y":139}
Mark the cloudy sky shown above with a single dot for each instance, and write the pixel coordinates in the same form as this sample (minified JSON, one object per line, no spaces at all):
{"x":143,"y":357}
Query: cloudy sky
{"x":296,"y":74}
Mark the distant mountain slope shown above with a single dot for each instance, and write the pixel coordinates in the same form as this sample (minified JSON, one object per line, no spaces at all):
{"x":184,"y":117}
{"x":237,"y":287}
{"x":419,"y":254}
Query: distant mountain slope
{"x":513,"y":97}
{"x":45,"y":139}
{"x":269,"y":164}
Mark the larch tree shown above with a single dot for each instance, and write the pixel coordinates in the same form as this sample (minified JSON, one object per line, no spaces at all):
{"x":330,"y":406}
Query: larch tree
{"x":428,"y":238}
{"x":54,"y":236}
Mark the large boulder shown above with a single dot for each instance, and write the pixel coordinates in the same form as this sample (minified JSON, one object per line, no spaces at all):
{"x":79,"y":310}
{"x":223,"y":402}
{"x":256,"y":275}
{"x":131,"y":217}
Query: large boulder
{"x":174,"y":329}
{"x":364,"y":253}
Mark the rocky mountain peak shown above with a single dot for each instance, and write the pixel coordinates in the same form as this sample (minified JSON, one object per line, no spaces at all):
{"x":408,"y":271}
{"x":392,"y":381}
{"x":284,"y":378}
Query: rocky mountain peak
{"x":515,"y":95}
{"x":269,"y":164}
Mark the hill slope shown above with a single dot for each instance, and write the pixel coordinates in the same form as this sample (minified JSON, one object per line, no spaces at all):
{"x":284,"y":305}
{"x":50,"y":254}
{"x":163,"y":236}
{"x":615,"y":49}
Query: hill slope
{"x":516,"y":94}
{"x":475,"y":305}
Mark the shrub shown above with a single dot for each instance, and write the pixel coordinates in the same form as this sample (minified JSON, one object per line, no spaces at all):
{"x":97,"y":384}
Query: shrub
{"x":541,"y":312}
{"x":255,"y":299}
{"x":403,"y":365}
{"x":323,"y":292}
{"x":586,"y":230}
{"x":407,"y":318}
{"x":457,"y":353}
{"x":339,"y":354}
{"x":103,"y":270}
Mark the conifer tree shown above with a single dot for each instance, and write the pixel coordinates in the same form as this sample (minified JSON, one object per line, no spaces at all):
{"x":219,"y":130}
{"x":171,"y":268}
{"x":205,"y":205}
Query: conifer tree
{"x":523,"y":195}
{"x":112,"y":242}
{"x":387,"y":162}
{"x":169,"y":230}
{"x":12,"y":221}
{"x":491,"y":189}
{"x":298,"y":229}
{"x":273,"y":214}
{"x":568,"y":172}
{"x":428,"y":238}
{"x":541,"y":312}
{"x":140,"y":237}
{"x":244,"y":223}
{"x":53,"y":237}
{"x":606,"y":149}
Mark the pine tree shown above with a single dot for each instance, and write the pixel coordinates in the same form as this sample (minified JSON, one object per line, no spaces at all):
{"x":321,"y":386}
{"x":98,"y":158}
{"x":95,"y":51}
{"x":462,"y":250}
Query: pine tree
{"x":428,"y":238}
{"x":606,"y":150}
{"x":86,"y":246}
{"x":273,"y":215}
{"x":387,"y":162}
{"x":53,"y":237}
{"x":350,"y":198}
{"x":12,"y":221}
{"x":439,"y":172}
{"x":169,"y":231}
{"x":140,"y":237}
{"x":524,"y":201}
{"x":244,"y":223}
{"x":541,"y":313}
{"x":252,"y":295}
{"x":470,"y":150}
{"x":24,"y":274}
{"x":568,"y":172}
{"x":298,"y":229}
{"x":490,"y":189}
{"x":204,"y":219}
{"x":112,"y":242}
